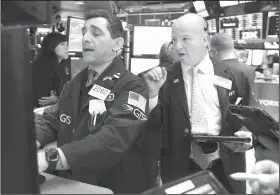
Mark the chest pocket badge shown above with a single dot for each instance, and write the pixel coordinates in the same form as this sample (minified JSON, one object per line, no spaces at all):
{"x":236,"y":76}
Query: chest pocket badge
{"x":65,"y":119}
{"x":110,"y":97}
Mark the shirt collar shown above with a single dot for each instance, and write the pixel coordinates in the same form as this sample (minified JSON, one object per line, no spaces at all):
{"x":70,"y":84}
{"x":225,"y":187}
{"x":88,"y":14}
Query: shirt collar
{"x":99,"y":69}
{"x":205,"y":66}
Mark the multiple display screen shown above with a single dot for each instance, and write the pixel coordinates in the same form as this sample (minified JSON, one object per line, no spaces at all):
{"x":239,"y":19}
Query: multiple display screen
{"x":242,"y":27}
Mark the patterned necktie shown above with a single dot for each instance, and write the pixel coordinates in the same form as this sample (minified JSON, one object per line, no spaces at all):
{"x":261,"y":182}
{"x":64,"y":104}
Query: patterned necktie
{"x":199,"y":123}
{"x":91,"y":76}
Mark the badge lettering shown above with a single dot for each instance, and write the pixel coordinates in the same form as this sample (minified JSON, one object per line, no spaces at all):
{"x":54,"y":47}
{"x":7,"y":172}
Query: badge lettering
{"x":126,"y":108}
{"x":99,"y":92}
{"x":65,"y":119}
{"x":222,"y":82}
{"x":140,"y":115}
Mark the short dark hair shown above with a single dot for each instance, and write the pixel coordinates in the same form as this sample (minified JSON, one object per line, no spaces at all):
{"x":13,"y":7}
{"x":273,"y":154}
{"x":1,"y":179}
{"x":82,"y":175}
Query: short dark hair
{"x":114,"y":23}
{"x":222,"y":41}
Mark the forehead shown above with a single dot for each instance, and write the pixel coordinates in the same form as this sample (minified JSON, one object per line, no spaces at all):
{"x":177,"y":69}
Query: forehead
{"x":99,"y":22}
{"x":186,"y":26}
{"x":180,"y":30}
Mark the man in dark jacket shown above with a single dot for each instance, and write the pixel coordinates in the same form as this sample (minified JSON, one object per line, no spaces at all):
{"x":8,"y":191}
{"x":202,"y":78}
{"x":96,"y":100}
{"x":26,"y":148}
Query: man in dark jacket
{"x":222,"y":49}
{"x":100,"y":116}
{"x":191,"y":98}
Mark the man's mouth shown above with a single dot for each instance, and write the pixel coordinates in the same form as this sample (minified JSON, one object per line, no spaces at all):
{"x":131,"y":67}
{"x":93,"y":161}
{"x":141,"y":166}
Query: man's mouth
{"x":88,"y":50}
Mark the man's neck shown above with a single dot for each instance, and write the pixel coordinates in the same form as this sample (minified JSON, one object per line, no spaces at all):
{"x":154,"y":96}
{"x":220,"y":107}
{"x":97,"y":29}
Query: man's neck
{"x":101,"y":67}
{"x":227,"y":56}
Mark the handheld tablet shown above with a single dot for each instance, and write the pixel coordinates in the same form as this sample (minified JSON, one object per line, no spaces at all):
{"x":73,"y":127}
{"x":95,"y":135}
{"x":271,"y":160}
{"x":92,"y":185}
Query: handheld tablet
{"x":203,"y":182}
{"x":217,"y":139}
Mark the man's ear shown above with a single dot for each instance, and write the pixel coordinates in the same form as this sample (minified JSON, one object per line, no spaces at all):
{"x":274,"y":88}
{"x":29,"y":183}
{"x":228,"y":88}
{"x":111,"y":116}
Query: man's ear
{"x":118,"y":44}
{"x":206,"y":40}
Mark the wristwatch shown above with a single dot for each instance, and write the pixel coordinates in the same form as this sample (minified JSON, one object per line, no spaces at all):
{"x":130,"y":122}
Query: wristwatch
{"x":52,"y":157}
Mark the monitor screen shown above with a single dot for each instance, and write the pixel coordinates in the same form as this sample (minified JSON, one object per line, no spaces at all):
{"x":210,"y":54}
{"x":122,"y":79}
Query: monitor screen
{"x":212,"y":27}
{"x":242,"y":27}
{"x":147,"y":40}
{"x":139,"y":65}
{"x":273,"y":24}
{"x":228,"y":3}
{"x":244,"y":55}
{"x":258,"y":57}
{"x":75,"y":34}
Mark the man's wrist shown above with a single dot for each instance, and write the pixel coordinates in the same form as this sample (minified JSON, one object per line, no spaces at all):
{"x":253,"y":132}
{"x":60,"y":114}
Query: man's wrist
{"x":153,"y":94}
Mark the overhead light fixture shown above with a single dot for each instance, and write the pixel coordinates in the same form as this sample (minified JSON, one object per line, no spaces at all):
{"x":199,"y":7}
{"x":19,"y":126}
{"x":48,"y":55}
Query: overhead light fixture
{"x":79,"y":2}
{"x":228,"y":3}
{"x":203,"y":13}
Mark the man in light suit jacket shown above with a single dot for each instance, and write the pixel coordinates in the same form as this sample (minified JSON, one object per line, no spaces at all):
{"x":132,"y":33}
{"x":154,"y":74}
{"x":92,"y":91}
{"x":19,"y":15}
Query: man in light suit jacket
{"x":190,"y":98}
{"x":222,"y":49}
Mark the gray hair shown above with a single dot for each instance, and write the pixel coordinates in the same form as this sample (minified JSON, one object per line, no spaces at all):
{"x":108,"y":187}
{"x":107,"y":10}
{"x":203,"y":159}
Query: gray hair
{"x":221,"y":42}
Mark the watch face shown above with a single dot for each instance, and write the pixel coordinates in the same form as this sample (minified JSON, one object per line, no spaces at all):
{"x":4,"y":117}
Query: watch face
{"x":52,"y":154}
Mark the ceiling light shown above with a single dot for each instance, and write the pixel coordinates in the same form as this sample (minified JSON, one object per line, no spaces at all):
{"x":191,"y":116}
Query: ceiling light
{"x":79,"y":2}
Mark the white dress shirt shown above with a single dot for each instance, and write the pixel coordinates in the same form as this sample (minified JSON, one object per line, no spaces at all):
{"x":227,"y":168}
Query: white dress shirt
{"x":209,"y":92}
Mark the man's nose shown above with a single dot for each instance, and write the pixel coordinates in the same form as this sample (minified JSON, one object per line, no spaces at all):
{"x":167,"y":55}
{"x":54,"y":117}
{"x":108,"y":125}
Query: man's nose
{"x":178,"y":45}
{"x":86,"y":37}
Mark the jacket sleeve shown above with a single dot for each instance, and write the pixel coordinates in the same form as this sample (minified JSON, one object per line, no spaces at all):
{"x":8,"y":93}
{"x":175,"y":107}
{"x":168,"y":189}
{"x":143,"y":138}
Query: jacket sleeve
{"x":249,"y":97}
{"x":46,"y":127}
{"x":118,"y":133}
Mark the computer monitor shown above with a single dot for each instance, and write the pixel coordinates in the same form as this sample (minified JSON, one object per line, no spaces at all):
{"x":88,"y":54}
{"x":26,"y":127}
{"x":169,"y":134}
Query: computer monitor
{"x":243,"y":27}
{"x":74,"y":33}
{"x":139,"y":65}
{"x":272,"y":30}
{"x":147,"y":40}
{"x":19,"y":160}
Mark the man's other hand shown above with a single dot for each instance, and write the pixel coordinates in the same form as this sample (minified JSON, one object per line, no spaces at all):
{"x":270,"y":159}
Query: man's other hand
{"x":42,"y":163}
{"x":241,"y":147}
{"x":155,"y":78}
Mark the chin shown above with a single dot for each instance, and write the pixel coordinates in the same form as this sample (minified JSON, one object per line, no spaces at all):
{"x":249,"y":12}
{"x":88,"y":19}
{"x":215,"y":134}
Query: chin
{"x":88,"y":60}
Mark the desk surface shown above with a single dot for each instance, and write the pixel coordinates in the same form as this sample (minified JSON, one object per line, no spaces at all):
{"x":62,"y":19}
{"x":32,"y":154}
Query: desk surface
{"x":59,"y":185}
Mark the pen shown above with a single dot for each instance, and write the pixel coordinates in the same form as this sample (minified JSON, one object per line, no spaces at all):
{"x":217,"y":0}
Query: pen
{"x":94,"y":119}
{"x":91,"y":120}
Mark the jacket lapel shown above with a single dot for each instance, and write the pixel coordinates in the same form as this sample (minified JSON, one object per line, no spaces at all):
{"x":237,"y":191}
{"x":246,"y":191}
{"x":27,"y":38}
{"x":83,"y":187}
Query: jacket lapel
{"x":221,"y":71}
{"x":177,"y":82}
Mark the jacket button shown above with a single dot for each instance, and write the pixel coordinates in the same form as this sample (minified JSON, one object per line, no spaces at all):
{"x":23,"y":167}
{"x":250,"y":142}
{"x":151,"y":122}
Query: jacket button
{"x":187,"y":130}
{"x":73,"y":131}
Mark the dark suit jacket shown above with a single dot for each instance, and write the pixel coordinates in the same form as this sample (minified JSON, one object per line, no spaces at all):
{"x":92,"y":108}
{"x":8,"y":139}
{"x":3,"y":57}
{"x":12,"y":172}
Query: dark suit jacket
{"x":107,"y":154}
{"x":248,"y":71}
{"x":173,"y":110}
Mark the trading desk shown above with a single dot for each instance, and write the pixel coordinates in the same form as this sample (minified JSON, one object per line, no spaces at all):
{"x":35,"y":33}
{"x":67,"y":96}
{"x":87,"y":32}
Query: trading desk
{"x":59,"y":185}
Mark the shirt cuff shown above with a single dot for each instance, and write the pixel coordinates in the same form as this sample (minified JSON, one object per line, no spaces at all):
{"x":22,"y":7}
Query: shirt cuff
{"x":152,"y":103}
{"x":62,"y":163}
